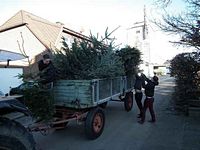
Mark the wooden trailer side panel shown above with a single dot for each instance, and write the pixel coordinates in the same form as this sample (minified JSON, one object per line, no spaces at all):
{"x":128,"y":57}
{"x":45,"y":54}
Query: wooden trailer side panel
{"x":80,"y":94}
{"x":73,"y":93}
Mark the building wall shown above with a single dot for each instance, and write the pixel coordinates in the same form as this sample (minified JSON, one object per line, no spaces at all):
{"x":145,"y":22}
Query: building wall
{"x":135,"y":38}
{"x":161,"y":70}
{"x":9,"y":41}
{"x":147,"y":69}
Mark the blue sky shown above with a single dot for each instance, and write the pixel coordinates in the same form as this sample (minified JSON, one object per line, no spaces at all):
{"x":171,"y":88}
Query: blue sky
{"x":95,"y":15}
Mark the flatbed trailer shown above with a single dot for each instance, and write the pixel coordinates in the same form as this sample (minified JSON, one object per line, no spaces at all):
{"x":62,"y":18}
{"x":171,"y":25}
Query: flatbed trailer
{"x":84,"y":100}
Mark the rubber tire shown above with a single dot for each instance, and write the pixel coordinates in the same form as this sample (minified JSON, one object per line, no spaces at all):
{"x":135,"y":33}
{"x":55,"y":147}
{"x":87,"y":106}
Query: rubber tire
{"x":14,"y":136}
{"x":103,"y":105}
{"x":89,"y":130}
{"x":128,"y":98}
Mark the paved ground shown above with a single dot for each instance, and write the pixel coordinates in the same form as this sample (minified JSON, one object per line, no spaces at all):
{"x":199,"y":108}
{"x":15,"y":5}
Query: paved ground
{"x":172,"y":131}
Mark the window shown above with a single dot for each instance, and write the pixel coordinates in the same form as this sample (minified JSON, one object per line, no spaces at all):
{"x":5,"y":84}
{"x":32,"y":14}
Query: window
{"x":138,"y":31}
{"x":69,"y":41}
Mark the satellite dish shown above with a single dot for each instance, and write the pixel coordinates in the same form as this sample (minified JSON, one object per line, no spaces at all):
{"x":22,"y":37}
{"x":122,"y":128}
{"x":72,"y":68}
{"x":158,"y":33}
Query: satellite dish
{"x":10,"y":56}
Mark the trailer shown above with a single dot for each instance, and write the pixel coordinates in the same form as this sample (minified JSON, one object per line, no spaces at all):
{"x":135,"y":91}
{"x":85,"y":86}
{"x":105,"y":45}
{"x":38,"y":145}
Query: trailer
{"x":84,"y":100}
{"x":80,"y":100}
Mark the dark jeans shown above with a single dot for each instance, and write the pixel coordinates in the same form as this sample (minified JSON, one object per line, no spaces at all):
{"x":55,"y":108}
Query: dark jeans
{"x":148,"y":103}
{"x":138,"y":98}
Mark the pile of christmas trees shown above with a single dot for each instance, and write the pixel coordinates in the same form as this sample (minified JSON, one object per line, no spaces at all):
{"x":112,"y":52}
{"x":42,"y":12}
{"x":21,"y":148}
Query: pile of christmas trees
{"x":95,"y":58}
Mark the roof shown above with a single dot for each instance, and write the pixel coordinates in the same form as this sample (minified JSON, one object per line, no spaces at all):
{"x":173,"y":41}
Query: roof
{"x":45,"y":31}
{"x":10,"y":56}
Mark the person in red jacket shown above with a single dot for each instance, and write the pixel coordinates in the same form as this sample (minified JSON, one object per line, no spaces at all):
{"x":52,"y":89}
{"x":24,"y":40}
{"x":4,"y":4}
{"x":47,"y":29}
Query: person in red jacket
{"x":149,"y":100}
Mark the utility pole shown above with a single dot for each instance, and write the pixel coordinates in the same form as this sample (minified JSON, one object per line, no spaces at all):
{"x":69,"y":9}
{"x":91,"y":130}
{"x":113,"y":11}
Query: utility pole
{"x":143,"y":39}
{"x":145,"y":24}
{"x":146,"y":41}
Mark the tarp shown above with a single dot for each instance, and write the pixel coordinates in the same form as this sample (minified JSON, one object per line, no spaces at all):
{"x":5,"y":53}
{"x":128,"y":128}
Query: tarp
{"x":10,"y":56}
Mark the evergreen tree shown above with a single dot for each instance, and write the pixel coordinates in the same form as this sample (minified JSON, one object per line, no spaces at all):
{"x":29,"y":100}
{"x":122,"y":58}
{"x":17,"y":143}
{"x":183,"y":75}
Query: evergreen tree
{"x":131,"y":58}
{"x":88,"y":59}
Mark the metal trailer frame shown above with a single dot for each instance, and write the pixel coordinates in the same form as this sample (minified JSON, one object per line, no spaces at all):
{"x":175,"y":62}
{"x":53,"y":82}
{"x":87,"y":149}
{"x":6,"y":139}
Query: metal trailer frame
{"x":113,"y":96}
{"x":81,"y":94}
{"x":64,"y":114}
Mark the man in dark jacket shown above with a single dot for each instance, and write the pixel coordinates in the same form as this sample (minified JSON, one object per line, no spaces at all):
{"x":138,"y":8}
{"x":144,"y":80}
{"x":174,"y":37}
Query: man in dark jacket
{"x":138,"y":92}
{"x":47,"y":70}
{"x":149,"y":93}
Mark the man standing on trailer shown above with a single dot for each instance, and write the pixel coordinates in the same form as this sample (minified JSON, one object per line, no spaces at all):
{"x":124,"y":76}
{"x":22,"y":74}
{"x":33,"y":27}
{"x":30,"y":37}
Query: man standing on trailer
{"x":47,"y":70}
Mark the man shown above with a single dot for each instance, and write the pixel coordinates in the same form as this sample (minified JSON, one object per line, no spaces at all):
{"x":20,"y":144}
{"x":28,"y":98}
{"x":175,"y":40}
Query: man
{"x":138,"y":92}
{"x":149,"y":100}
{"x":47,"y":70}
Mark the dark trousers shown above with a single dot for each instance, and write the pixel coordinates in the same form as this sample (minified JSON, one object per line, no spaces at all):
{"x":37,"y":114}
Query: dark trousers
{"x":138,"y":98}
{"x":148,"y":103}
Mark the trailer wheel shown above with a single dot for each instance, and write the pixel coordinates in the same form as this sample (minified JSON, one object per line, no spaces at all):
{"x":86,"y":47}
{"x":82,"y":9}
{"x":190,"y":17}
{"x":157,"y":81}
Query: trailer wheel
{"x":94,"y":123}
{"x":13,"y":136}
{"x":128,"y":101}
{"x":103,"y":105}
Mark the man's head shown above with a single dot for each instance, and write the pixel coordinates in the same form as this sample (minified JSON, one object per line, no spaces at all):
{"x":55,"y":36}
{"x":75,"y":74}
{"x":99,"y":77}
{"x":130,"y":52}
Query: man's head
{"x":46,"y":59}
{"x":155,"y":80}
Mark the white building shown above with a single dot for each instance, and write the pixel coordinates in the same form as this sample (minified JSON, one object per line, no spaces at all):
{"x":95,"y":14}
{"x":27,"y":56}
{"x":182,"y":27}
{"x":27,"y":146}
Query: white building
{"x":137,"y":36}
{"x":32,"y":36}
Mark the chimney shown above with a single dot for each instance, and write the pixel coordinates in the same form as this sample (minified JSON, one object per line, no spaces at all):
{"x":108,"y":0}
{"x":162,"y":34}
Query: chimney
{"x":60,"y":23}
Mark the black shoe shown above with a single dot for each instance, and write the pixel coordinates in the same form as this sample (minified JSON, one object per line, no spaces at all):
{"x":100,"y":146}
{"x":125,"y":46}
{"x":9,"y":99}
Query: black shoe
{"x":139,"y":116}
{"x":152,"y":121}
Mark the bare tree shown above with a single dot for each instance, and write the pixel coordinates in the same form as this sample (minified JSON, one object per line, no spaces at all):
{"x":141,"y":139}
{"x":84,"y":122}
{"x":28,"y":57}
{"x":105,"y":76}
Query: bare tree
{"x":23,"y":52}
{"x":163,"y":3}
{"x":186,"y":24}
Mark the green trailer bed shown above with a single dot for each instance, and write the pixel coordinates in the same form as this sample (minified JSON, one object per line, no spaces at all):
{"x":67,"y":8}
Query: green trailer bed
{"x":84,"y":100}
{"x":81,"y":94}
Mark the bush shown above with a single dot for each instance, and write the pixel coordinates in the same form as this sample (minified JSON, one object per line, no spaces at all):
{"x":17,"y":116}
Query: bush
{"x":184,"y":68}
